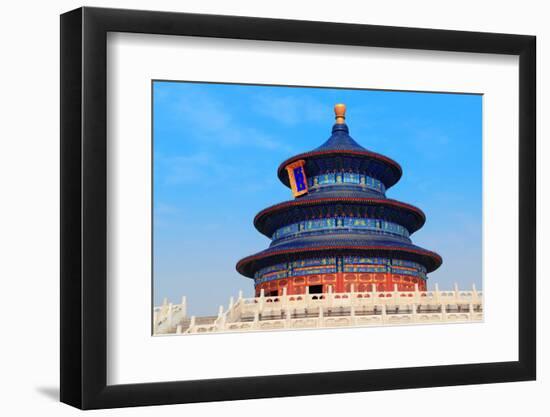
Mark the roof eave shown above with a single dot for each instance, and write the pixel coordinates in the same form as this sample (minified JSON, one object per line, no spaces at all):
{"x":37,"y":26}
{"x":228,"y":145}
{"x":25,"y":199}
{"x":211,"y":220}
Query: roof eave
{"x":283,"y":175}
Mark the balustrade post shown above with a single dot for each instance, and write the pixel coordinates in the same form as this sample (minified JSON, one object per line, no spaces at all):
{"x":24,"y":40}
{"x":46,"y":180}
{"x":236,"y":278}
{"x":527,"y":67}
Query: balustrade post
{"x":220,"y":321}
{"x":262,"y":300}
{"x":436,"y":291}
{"x":443,"y":312}
{"x":230,"y":309}
{"x":155,"y":321}
{"x":456,"y":290}
{"x":170,"y":315}
{"x":352,"y":298}
{"x":184,"y":306}
{"x":306,"y":299}
{"x":178,"y":329}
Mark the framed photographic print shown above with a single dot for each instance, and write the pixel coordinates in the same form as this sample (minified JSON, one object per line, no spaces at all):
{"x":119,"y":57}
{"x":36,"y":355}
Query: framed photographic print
{"x":258,"y":207}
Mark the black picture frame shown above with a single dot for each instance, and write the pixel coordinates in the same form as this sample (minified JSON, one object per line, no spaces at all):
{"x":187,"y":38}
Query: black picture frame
{"x":84,"y":207}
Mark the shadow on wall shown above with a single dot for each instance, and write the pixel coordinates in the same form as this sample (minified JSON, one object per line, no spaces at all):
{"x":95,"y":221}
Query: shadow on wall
{"x":50,"y":392}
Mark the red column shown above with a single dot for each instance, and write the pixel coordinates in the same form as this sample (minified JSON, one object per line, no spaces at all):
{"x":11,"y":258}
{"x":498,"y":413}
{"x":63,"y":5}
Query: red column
{"x":339,"y":282}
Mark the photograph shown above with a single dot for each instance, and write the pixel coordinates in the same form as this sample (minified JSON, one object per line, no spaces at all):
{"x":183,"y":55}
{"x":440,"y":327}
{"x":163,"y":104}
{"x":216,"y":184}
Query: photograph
{"x":297,"y":207}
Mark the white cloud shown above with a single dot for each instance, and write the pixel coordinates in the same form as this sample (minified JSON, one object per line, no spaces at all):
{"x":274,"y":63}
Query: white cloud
{"x":189,"y":168}
{"x":206,"y":118}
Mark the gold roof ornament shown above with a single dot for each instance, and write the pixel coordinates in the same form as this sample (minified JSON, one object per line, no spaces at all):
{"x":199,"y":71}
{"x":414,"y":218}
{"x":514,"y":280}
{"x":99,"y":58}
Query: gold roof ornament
{"x":340,"y":112}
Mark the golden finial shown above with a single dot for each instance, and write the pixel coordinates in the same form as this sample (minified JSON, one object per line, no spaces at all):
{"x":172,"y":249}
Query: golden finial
{"x":340,"y":112}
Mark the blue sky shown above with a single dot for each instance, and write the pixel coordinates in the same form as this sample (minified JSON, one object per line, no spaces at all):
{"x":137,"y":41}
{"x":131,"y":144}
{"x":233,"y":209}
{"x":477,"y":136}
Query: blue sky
{"x":217,"y":148}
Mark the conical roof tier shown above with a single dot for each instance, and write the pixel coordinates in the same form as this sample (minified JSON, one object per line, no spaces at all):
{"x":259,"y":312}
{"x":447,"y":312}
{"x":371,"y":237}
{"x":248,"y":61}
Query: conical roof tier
{"x":340,"y":215}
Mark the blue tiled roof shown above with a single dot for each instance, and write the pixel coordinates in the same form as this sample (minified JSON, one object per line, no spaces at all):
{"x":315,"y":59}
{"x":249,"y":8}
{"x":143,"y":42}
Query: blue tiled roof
{"x":340,"y":140}
{"x":347,"y":242}
{"x":337,"y":153}
{"x":299,"y":209}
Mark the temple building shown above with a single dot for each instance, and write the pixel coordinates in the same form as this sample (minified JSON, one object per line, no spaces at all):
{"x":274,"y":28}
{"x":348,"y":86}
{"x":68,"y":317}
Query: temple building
{"x":340,"y":233}
{"x":341,"y":254}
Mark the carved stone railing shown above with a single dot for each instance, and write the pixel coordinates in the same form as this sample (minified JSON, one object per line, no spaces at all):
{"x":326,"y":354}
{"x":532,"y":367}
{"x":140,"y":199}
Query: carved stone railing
{"x":326,"y":310}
